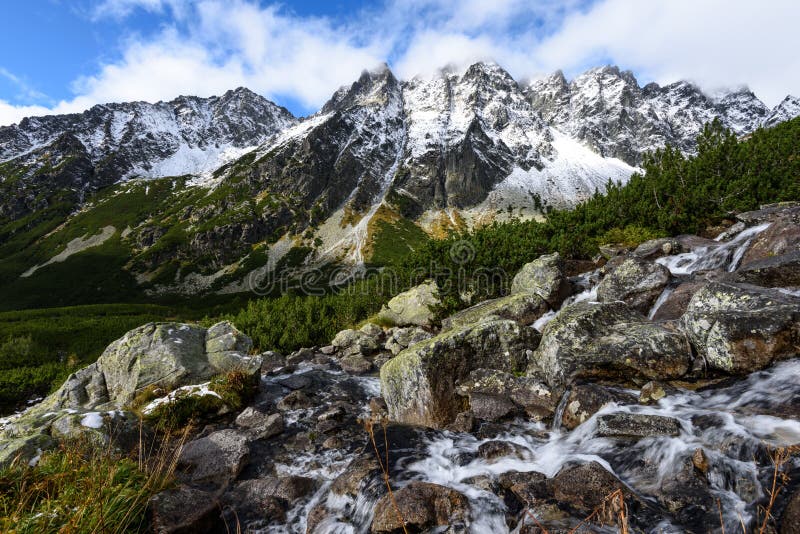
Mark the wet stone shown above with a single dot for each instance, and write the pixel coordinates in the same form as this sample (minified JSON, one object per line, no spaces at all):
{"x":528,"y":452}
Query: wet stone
{"x":628,"y":425}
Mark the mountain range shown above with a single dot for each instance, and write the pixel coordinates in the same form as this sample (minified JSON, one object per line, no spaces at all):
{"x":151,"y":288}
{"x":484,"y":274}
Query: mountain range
{"x":198,"y":194}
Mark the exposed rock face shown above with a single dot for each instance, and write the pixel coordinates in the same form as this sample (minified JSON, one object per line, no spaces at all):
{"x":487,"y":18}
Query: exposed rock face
{"x":739,"y":328}
{"x":524,"y":308}
{"x":606,"y":108}
{"x":607,"y":340}
{"x":421,"y":506}
{"x":637,"y":283}
{"x":496,"y":394}
{"x":419,"y":383}
{"x":633,"y":425}
{"x":773,"y":271}
{"x":415,"y":307}
{"x":163,"y":355}
{"x":544,"y":277}
{"x":782,"y":237}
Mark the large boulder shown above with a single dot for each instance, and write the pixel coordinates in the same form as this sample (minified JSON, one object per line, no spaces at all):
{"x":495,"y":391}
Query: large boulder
{"x":608,"y":341}
{"x":419,"y":383}
{"x":771,"y":212}
{"x":666,"y":246}
{"x":740,"y":328}
{"x":415,"y":307}
{"x":772,"y":271}
{"x":585,"y":487}
{"x":157,"y":355}
{"x":525,"y":308}
{"x":782,"y":237}
{"x":637,"y":283}
{"x":545,"y":277}
{"x":355,"y":342}
{"x":420,"y":506}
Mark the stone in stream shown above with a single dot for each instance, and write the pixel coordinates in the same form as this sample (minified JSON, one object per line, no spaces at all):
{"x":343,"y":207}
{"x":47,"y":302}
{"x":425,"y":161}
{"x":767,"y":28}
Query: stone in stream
{"x":635,"y":425}
{"x":678,"y":300}
{"x":781,"y":237}
{"x":790,"y":518}
{"x":585,"y":400}
{"x":419,"y":383}
{"x":421,"y":506}
{"x":637,"y":283}
{"x":608,"y":340}
{"x":738,"y":328}
{"x":685,"y":493}
{"x":414,"y":307}
{"x":496,"y":394}
{"x":585,"y":487}
{"x":772,"y":271}
{"x":495,"y":449}
{"x":359,"y":471}
{"x":264,"y":425}
{"x":544,"y":277}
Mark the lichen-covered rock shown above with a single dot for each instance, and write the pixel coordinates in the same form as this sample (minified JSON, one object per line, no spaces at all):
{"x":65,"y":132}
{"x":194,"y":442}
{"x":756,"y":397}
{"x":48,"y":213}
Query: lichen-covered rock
{"x":422,"y":506}
{"x":352,"y":342}
{"x":584,"y":487}
{"x":545,"y":277}
{"x":635,"y":282}
{"x":489,"y":390}
{"x":608,"y":340}
{"x":415,"y":307}
{"x":162,"y":355}
{"x":741,"y":328}
{"x":636,"y":425}
{"x":771,"y":212}
{"x":419,"y":383}
{"x":98,"y":428}
{"x":525,"y":308}
{"x":402,"y":338}
{"x":24,"y":449}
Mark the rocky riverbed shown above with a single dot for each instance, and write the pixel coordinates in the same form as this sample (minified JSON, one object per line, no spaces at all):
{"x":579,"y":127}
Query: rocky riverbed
{"x":657,"y":391}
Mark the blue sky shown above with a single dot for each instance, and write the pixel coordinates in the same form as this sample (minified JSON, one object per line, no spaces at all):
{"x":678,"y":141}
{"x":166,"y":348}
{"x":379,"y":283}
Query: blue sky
{"x":66,"y":55}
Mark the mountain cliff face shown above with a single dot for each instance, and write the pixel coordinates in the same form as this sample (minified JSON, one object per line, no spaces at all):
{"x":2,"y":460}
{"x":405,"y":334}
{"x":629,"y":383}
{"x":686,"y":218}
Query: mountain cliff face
{"x":203,"y":192}
{"x":608,"y":110}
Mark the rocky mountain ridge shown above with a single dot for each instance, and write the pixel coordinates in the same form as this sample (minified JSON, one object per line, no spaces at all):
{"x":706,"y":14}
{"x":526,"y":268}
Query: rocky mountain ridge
{"x":226,"y":186}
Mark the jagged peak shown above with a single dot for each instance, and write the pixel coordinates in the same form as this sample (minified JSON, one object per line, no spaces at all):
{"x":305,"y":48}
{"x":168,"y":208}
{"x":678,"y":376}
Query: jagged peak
{"x":377,"y":80}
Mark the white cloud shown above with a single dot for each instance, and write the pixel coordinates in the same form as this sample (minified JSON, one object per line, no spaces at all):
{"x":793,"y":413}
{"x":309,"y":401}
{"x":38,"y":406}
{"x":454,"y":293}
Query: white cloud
{"x":209,"y":46}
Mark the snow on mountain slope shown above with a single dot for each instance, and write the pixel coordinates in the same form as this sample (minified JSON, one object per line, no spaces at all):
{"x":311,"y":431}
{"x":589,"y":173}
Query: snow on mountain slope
{"x":788,"y":109}
{"x":188,"y":135}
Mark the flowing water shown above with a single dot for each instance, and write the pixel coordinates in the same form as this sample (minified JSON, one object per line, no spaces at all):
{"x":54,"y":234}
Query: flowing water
{"x":732,"y":424}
